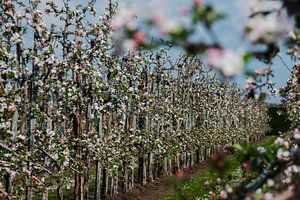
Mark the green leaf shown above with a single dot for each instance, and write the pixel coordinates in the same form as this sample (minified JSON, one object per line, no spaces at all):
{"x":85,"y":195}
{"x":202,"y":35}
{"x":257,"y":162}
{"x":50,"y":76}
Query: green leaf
{"x":247,"y":57}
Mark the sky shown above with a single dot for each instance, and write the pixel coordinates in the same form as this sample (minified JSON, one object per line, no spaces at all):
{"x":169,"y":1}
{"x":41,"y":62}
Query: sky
{"x":229,"y":30}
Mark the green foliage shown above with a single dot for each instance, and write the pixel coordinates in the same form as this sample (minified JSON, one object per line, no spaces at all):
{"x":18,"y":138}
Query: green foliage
{"x":207,"y":15}
{"x":279,"y":121}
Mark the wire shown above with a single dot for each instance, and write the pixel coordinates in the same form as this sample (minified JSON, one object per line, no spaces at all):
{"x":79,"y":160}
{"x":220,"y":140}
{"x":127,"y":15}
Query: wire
{"x":284,"y":63}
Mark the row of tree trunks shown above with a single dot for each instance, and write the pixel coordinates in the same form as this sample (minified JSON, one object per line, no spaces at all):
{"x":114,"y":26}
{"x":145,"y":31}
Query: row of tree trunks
{"x":108,"y":183}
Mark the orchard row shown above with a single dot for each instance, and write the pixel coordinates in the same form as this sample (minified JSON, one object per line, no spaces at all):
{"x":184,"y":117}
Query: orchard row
{"x":73,"y":116}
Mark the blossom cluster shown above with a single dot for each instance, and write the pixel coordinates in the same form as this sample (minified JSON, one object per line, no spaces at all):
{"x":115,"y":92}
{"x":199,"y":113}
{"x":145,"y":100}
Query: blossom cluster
{"x":271,"y":172}
{"x":291,"y":94}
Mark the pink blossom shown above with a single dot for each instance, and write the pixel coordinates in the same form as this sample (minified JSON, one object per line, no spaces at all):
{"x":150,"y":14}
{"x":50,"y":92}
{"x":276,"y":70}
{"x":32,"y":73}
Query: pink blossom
{"x":223,"y":195}
{"x":214,"y":55}
{"x":270,"y":182}
{"x":228,"y":61}
{"x":35,"y":178}
{"x":8,"y":2}
{"x":296,"y":133}
{"x":270,"y":82}
{"x":157,"y":18}
{"x":251,"y":80}
{"x":282,"y":154}
{"x":129,"y":45}
{"x":279,"y":141}
{"x":198,"y":3}
{"x":179,"y":173}
{"x":165,"y":24}
{"x":215,"y":52}
{"x":268,"y":28}
{"x":47,"y":11}
{"x":207,"y":183}
{"x":258,"y":72}
{"x":124,"y":18}
{"x":169,"y":27}
{"x":115,"y":25}
{"x":248,"y":85}
{"x":267,"y":71}
{"x":139,"y":37}
{"x":246,"y":166}
{"x":11,"y":108}
{"x":184,"y":10}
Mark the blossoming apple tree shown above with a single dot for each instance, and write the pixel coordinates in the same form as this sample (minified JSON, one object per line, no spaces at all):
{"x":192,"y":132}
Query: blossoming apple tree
{"x":78,"y":112}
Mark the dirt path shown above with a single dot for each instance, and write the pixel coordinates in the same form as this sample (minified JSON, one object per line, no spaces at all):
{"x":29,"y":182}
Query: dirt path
{"x":164,"y":186}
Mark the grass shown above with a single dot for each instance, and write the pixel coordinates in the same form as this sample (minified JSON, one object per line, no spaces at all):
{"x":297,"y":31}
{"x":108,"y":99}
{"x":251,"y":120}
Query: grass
{"x":196,"y":189}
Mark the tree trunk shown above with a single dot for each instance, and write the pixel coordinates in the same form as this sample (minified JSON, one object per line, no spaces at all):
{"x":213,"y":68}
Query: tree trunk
{"x":98,"y":165}
{"x":78,"y":175}
{"x":125,"y":174}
